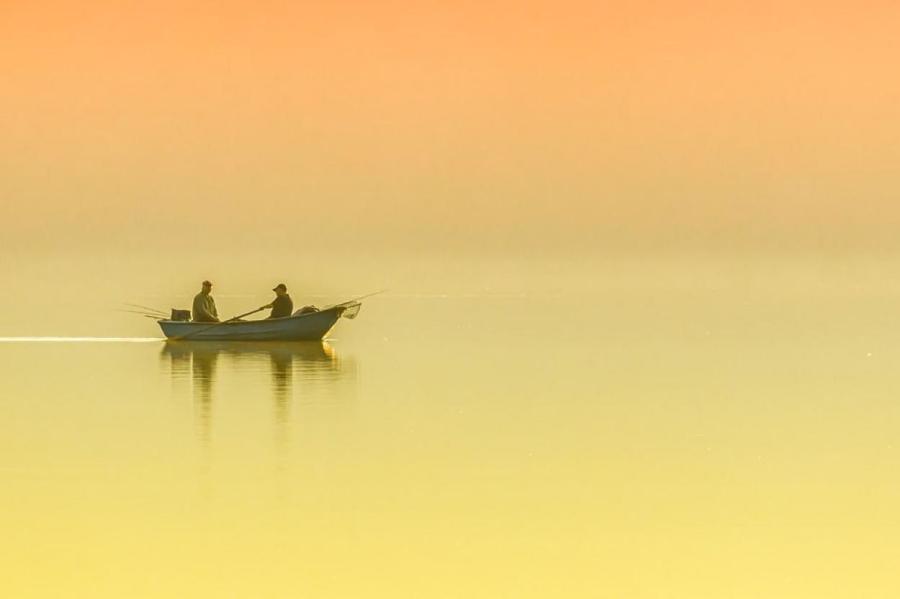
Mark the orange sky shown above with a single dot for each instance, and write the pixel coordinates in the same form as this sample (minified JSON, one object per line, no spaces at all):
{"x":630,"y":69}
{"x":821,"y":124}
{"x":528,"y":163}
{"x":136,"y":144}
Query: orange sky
{"x":423,"y":123}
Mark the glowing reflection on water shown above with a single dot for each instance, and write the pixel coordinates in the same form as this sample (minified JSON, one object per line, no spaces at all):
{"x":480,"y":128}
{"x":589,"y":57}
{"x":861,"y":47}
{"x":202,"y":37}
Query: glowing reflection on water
{"x":199,"y":361}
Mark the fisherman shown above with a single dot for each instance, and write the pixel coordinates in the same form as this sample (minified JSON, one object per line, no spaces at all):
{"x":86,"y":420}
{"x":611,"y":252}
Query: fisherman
{"x":282,"y":305}
{"x":204,"y":309}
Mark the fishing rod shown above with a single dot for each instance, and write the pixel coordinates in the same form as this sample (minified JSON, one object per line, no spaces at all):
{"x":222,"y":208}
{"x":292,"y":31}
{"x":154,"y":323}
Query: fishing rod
{"x":147,"y":314}
{"x":356,"y":299}
{"x":147,"y":308}
{"x":144,"y":314}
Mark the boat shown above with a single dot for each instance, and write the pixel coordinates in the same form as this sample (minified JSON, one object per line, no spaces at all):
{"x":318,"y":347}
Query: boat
{"x":309,"y":326}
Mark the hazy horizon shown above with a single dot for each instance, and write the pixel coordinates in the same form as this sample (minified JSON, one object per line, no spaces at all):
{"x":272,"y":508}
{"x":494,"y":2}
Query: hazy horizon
{"x":558,"y":125}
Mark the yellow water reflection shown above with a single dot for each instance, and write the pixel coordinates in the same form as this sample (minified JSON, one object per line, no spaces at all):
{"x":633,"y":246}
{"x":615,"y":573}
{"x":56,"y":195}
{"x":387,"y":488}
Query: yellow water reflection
{"x":199,"y":361}
{"x":697,"y":429}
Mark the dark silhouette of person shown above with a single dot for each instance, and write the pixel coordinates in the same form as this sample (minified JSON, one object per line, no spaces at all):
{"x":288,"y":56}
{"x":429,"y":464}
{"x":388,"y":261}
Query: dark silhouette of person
{"x":282,"y":305}
{"x":204,"y":308}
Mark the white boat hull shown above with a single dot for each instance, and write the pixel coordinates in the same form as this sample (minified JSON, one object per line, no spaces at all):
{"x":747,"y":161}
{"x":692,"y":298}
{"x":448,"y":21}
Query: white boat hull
{"x":304,"y":327}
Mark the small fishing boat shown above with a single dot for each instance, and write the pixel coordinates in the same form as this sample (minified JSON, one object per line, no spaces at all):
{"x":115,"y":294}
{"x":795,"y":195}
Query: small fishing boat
{"x":309,"y":326}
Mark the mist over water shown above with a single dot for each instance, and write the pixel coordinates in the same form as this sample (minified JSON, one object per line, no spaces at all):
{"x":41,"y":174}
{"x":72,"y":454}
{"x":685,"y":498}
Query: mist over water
{"x":639,"y":333}
{"x":490,"y":426}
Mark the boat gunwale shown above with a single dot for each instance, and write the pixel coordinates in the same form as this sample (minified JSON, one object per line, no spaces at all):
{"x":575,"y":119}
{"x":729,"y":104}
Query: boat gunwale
{"x":339,"y":309}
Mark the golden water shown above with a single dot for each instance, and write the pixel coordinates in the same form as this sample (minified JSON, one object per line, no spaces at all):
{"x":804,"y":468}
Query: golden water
{"x":566,"y":426}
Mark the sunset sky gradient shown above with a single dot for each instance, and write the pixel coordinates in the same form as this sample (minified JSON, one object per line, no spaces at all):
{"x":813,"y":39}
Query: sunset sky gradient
{"x":547,"y":124}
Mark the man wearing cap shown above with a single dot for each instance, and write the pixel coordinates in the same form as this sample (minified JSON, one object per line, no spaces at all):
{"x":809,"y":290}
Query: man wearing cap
{"x":283,"y":305}
{"x":204,"y":309}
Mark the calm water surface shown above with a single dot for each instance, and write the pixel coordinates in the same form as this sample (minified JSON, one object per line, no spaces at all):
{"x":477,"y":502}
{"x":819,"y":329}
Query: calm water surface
{"x":586,"y":427}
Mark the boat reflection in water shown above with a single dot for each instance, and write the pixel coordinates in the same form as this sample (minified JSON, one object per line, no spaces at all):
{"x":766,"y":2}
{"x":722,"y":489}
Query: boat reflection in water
{"x":313,"y":367}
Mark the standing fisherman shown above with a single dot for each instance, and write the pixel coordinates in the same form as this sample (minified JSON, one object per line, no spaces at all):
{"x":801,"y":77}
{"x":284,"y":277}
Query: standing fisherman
{"x":204,"y":309}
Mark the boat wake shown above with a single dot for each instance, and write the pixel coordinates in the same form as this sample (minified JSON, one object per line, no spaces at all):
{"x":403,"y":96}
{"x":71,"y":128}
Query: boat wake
{"x":80,"y":339}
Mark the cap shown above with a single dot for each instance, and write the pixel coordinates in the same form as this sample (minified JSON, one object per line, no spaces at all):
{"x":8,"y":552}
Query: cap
{"x":280,"y":286}
{"x":207,"y":283}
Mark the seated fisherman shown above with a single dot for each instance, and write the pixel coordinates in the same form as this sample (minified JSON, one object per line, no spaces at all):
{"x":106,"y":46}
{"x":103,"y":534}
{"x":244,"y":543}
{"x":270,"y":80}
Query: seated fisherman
{"x":282,"y":305}
{"x":204,"y":309}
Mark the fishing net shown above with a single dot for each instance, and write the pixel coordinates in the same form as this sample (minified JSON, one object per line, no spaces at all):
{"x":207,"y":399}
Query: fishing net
{"x":352,"y":310}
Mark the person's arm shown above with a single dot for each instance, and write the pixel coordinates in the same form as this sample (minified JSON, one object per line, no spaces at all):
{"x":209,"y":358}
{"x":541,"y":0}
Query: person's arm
{"x":266,"y":307}
{"x":197,"y":309}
